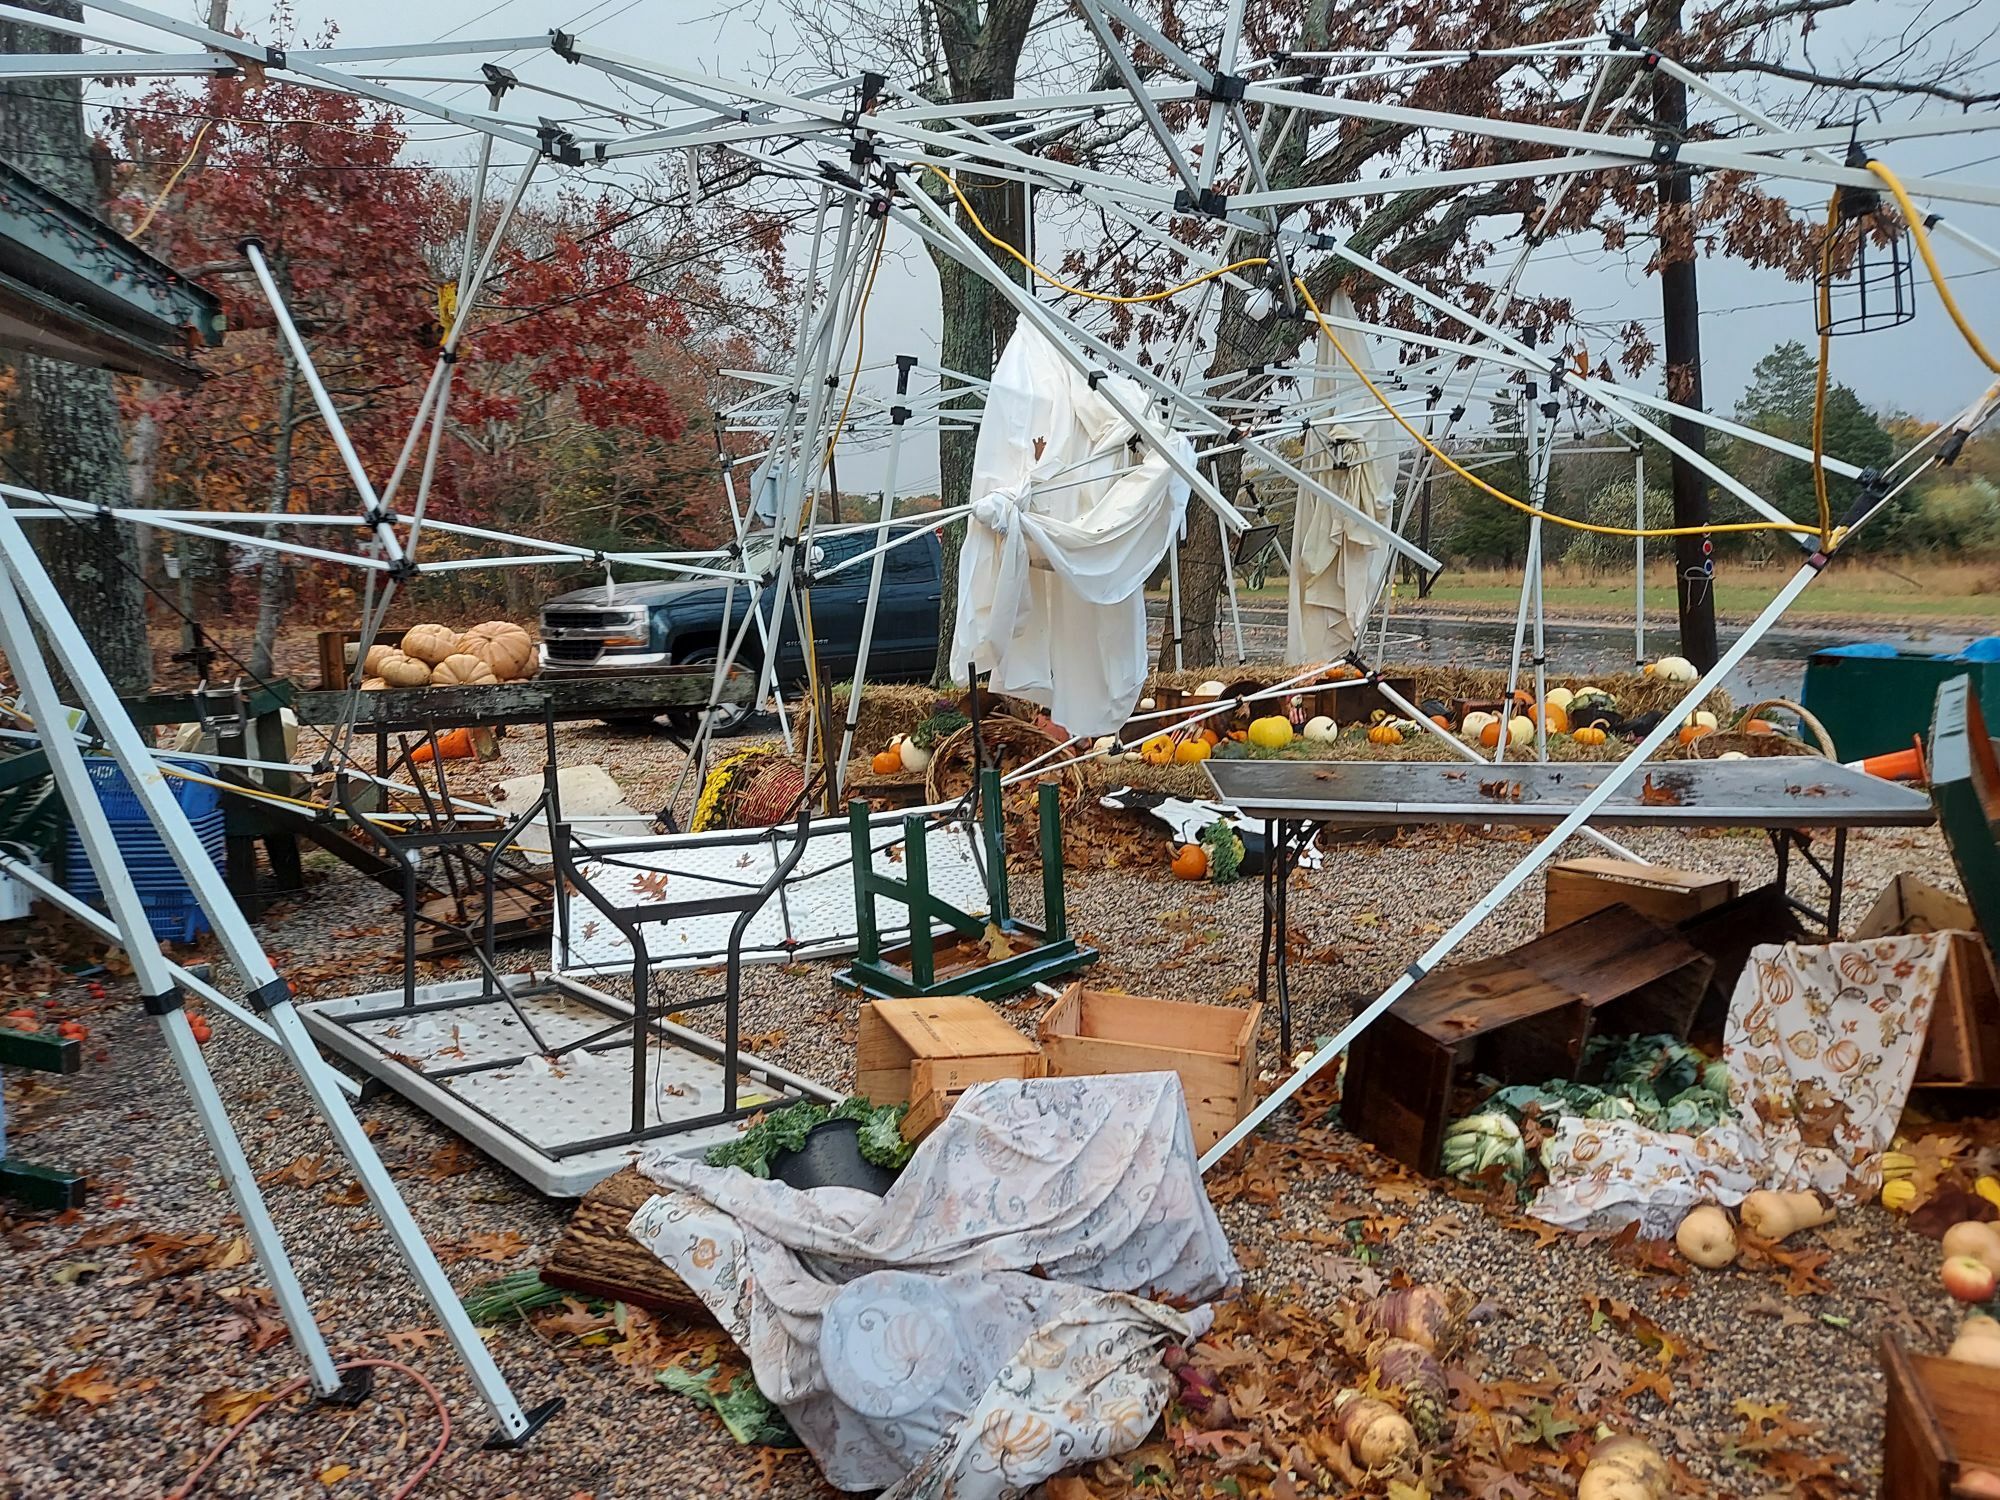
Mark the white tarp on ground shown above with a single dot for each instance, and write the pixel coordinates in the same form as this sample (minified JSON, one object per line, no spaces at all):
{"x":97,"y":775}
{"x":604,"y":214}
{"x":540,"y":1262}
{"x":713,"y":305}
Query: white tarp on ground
{"x":1822,"y":1044}
{"x":988,"y":1322}
{"x":1337,"y":568}
{"x":1068,"y":521}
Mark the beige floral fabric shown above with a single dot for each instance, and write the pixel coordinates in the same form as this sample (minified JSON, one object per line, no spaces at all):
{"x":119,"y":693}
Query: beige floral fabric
{"x":991,"y":1320}
{"x":1822,"y":1044}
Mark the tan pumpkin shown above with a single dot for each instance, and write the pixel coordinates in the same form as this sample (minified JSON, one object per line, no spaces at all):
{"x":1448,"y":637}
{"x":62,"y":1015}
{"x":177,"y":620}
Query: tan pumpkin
{"x":460,"y":670}
{"x":430,"y":644}
{"x":371,"y":664}
{"x":401,"y":671}
{"x":502,"y":645}
{"x":372,"y":684}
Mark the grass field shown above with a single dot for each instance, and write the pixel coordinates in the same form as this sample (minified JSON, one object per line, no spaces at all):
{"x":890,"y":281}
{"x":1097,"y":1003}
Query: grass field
{"x":1908,"y":590}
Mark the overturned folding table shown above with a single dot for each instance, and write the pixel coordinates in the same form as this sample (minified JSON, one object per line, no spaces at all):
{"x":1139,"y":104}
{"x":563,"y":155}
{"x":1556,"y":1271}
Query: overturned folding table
{"x":1784,"y":795}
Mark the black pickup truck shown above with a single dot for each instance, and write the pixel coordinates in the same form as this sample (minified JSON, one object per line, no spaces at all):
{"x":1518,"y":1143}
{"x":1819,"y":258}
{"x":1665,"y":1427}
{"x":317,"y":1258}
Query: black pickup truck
{"x":636,"y":625}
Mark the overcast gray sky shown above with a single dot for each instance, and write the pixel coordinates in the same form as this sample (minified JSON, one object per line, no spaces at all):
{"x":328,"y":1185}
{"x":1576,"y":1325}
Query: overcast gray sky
{"x":1922,"y":368}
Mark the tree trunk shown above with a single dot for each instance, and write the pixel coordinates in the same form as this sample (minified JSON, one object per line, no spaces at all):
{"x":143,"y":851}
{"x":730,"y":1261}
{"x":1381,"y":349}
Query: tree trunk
{"x":272,"y":574}
{"x":67,"y":438}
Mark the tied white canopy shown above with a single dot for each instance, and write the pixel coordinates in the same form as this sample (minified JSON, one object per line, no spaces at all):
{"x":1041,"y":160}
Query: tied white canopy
{"x":1069,"y":517}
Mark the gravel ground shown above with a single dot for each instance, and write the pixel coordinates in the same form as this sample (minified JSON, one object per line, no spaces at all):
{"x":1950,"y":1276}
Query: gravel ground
{"x":84,"y":1301}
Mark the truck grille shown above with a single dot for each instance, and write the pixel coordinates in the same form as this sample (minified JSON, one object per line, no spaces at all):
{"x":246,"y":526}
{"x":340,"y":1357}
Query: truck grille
{"x":583,"y":652}
{"x":582,"y":619}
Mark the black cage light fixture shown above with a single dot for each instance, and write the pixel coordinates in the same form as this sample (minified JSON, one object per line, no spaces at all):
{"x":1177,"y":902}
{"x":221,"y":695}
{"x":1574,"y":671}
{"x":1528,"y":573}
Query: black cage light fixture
{"x":1866,"y":279}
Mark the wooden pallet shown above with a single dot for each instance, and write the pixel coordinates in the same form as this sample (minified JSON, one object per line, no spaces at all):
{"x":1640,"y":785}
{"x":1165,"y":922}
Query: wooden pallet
{"x":596,"y":1256}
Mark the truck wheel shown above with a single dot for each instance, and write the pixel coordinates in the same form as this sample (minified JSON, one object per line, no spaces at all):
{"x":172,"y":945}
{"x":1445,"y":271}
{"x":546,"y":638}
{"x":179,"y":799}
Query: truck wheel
{"x":728,"y":718}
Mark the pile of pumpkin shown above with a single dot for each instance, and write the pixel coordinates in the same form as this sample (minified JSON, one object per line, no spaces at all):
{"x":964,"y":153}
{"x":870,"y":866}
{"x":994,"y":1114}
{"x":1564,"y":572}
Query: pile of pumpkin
{"x":1589,"y":716}
{"x":433,"y":655}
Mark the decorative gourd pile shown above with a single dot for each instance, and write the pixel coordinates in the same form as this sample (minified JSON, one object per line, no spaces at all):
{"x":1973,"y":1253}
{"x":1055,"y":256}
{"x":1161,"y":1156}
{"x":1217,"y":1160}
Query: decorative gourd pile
{"x":433,"y":655}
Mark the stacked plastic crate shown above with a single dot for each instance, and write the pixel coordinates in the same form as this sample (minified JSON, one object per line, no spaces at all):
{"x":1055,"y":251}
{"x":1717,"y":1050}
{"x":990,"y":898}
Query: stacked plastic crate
{"x":163,"y":890}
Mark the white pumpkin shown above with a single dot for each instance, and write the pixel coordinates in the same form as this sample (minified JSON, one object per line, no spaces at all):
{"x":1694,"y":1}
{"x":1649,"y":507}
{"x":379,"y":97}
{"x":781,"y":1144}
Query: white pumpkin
{"x":1701,"y":718}
{"x":1732,"y":755}
{"x":371,"y":664}
{"x":1474,"y":724}
{"x":372,"y":684}
{"x":461,"y":670}
{"x":1561,"y":697}
{"x":430,"y":644}
{"x":1147,"y":704}
{"x":401,"y":671}
{"x":502,"y":645}
{"x":1520,"y":730}
{"x":1675,"y":669}
{"x":1211,"y":689}
{"x":1104,"y":744}
{"x":1321,"y":728}
{"x":914,"y":759}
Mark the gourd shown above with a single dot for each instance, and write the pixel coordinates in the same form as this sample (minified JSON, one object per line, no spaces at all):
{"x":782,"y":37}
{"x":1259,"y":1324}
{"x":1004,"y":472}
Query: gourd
{"x":1272,"y":732}
{"x":402,"y":671}
{"x":1104,"y":744}
{"x":1590,"y":734}
{"x":371,"y":664}
{"x":502,"y":645}
{"x":1147,"y":703}
{"x":1375,"y":1432}
{"x":1978,"y":1341}
{"x":1772,"y":1216}
{"x":1321,"y":729}
{"x":1191,"y":752}
{"x":1412,"y":1373}
{"x":886,"y":763}
{"x":1474,"y":722}
{"x":1561,"y":697}
{"x":430,"y":644}
{"x":1701,"y":718}
{"x":1590,"y":700}
{"x":1674,"y":669}
{"x":1520,"y":730}
{"x":1624,"y":1468}
{"x":460,"y":670}
{"x":1190,"y":862}
{"x":1159,"y":751}
{"x":1385,"y":734}
{"x":1210,"y":689}
{"x":1707,"y":1238}
{"x":914,"y":757}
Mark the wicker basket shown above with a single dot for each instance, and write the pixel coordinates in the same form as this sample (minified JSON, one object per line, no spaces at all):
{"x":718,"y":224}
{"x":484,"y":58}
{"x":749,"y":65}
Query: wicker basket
{"x":1011,"y":743}
{"x":751,"y":788}
{"x":1712,"y":746}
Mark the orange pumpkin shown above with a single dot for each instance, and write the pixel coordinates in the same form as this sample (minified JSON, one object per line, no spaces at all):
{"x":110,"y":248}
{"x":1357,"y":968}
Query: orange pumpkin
{"x":1590,"y":734}
{"x":1385,"y":734}
{"x":1159,"y":751}
{"x":1441,"y":721}
{"x":1209,"y":737}
{"x":1759,"y":726}
{"x":1490,"y":735}
{"x":1692,"y":732}
{"x":886,"y":763}
{"x":1558,"y":718}
{"x":1190,"y":862}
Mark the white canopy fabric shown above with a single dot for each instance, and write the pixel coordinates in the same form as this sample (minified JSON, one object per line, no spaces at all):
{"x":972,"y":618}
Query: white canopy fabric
{"x":1069,"y":518}
{"x":1337,"y":568}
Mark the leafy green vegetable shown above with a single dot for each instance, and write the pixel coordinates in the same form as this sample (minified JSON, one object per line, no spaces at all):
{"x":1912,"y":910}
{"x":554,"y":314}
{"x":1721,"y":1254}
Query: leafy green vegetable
{"x":946,"y":721}
{"x":514,"y":1295}
{"x":785,"y":1130}
{"x":882,"y":1137}
{"x":748,"y":1414}
{"x":1225,"y":851}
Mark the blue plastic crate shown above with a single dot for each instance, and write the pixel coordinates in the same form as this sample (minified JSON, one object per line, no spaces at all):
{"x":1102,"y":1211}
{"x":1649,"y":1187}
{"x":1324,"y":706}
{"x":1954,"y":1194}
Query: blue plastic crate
{"x":163,"y":890}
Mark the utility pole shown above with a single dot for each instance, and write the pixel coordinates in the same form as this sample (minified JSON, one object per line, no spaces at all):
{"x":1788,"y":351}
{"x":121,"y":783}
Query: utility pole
{"x":1680,"y":307}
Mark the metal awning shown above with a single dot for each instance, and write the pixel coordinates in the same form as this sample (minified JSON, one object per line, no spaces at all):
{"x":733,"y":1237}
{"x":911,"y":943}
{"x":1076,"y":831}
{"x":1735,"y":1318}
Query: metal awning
{"x":73,"y":288}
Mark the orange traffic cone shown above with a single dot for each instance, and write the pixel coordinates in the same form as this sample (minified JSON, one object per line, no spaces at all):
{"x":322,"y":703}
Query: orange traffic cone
{"x":1897,"y":765}
{"x":453,"y":744}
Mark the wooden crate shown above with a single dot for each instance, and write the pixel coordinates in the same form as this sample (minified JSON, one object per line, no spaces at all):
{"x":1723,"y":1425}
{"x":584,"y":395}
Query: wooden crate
{"x":1212,"y":1047}
{"x":596,"y":1256}
{"x":1523,"y":1016}
{"x":929,"y":1051}
{"x":1939,"y":1423}
{"x":1963,"y":1043}
{"x":1578,"y":887}
{"x":1726,"y":934}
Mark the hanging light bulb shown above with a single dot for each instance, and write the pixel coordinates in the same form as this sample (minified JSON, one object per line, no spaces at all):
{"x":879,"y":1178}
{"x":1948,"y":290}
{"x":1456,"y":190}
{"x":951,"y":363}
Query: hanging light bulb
{"x":1257,"y":306}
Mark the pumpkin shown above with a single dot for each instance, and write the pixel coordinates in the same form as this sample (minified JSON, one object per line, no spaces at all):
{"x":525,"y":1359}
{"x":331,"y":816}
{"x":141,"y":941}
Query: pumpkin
{"x":1322,"y":729}
{"x":1674,"y":669}
{"x":1159,"y":751}
{"x":1385,"y":734}
{"x":1104,"y":744}
{"x":1701,"y":718}
{"x":402,"y":671}
{"x":1190,"y":862}
{"x":1471,"y":725}
{"x":1692,"y":732}
{"x":1520,"y":730}
{"x":460,"y":670}
{"x":502,"y":645}
{"x":885,"y":763}
{"x":1758,"y":726}
{"x":1590,"y":700}
{"x":1442,"y":722}
{"x":371,"y":664}
{"x":372,"y":684}
{"x":1209,"y":738}
{"x":1191,"y":752}
{"x":1489,"y":732}
{"x":1147,"y":703}
{"x":1590,"y":734}
{"x":914,"y":757}
{"x":1210,"y":689}
{"x":1557,"y":717}
{"x":430,"y":644}
{"x":1561,"y":697}
{"x":1272,"y":732}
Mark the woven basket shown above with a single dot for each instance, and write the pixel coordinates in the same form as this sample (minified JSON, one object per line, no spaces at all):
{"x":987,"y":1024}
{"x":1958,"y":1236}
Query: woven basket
{"x":1764,"y":746}
{"x":1010,"y":743}
{"x":751,"y":788}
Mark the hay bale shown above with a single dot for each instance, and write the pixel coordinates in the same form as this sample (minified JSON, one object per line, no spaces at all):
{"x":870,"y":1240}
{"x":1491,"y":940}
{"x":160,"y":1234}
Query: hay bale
{"x":888,"y":709}
{"x":596,"y":1256}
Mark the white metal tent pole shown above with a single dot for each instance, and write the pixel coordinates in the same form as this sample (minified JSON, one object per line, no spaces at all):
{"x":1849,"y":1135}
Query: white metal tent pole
{"x":1538,"y":495}
{"x":1639,"y":555}
{"x":1615,"y":777}
{"x":1174,"y":590}
{"x":1229,"y":574}
{"x":267,"y":992}
{"x":898,"y":416}
{"x":157,"y":990}
{"x":1528,"y":570}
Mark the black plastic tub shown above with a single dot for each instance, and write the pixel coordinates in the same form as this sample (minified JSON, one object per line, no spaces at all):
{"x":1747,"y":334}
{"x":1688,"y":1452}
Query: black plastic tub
{"x":831,"y":1157}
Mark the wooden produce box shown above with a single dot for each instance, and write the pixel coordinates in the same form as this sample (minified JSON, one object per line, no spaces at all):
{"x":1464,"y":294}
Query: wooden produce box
{"x":1963,"y":1043}
{"x":1212,"y":1047}
{"x":1522,"y":1016}
{"x":1939,"y":1424}
{"x":929,"y":1051}
{"x":1578,"y":887}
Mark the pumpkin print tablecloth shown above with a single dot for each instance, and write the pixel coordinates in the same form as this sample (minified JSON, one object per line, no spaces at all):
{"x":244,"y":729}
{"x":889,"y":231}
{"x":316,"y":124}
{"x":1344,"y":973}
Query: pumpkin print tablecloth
{"x":1822,"y":1044}
{"x":991,"y":1320}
